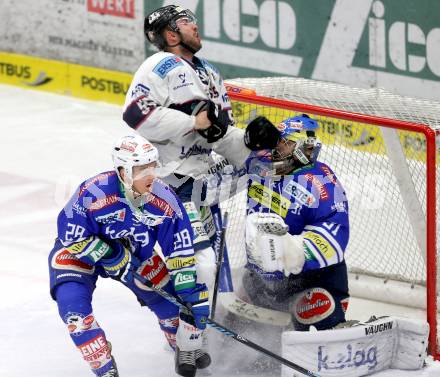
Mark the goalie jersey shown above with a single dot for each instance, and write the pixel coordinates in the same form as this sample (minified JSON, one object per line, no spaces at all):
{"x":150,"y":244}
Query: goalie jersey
{"x":99,"y":212}
{"x":312,"y":202}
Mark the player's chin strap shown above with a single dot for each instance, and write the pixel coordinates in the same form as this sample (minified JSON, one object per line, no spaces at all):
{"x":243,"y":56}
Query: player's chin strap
{"x":239,"y":338}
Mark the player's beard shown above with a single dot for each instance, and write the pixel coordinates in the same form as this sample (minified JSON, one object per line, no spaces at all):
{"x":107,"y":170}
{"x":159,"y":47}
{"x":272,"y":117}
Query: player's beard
{"x":193,"y":42}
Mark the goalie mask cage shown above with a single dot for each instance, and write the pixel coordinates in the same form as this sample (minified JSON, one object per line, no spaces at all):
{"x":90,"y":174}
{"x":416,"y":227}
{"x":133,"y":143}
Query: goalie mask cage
{"x":382,"y":147}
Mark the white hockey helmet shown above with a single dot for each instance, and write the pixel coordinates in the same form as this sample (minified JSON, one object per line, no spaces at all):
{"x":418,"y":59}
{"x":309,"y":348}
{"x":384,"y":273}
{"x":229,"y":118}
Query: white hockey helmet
{"x":129,"y":151}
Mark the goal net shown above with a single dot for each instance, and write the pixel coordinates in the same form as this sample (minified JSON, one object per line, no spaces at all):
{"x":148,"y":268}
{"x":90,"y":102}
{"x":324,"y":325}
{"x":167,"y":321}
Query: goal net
{"x":382,"y":148}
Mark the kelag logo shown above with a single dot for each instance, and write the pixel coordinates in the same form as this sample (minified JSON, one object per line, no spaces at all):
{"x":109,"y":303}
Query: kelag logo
{"x":119,"y":8}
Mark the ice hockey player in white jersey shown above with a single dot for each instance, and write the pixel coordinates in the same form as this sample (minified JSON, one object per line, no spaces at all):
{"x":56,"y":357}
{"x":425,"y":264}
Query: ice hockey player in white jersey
{"x":109,"y":228}
{"x":179,"y":102}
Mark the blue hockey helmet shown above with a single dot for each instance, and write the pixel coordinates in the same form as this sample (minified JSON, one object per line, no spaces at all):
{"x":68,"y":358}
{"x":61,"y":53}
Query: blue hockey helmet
{"x":299,"y":145}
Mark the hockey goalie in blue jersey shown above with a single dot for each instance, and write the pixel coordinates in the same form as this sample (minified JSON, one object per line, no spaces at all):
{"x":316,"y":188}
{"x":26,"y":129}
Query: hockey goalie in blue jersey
{"x":109,"y":229}
{"x":297,"y":230}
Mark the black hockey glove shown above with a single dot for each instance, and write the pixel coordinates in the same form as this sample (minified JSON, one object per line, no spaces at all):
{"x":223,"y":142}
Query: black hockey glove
{"x":261,"y":134}
{"x":219,"y":122}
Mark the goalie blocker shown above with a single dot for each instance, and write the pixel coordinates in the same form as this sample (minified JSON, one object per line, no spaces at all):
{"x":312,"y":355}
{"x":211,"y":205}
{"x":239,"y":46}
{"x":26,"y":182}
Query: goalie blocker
{"x":361,"y":350}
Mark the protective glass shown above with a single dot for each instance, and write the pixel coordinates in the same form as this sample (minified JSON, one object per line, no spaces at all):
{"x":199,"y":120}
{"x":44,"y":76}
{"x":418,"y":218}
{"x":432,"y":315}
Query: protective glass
{"x":187,"y":18}
{"x":153,"y":169}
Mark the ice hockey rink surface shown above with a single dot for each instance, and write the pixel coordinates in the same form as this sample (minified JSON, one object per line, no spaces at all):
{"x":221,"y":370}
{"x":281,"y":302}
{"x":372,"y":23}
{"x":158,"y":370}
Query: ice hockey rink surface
{"x":49,"y":144}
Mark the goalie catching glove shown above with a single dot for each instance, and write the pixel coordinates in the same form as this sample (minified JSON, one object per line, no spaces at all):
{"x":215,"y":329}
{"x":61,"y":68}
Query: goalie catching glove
{"x":219,"y":121}
{"x":261,"y":134}
{"x":271,"y":247}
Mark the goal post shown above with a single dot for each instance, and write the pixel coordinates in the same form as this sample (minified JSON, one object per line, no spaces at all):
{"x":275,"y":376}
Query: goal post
{"x":383,"y":149}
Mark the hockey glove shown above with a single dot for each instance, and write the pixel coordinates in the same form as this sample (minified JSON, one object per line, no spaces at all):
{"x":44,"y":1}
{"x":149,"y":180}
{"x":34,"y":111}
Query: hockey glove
{"x":219,"y":121}
{"x":261,"y":134}
{"x":120,"y":265}
{"x":196,"y":299}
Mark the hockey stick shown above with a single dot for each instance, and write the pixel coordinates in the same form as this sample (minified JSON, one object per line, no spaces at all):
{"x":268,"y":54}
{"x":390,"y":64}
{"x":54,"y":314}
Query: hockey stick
{"x":176,"y":301}
{"x":220,"y":251}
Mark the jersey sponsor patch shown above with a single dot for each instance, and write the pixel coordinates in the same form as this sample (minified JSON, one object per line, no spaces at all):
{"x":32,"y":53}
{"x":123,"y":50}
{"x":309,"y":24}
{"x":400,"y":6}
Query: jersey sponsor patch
{"x":112,"y":217}
{"x":313,"y":306}
{"x":166,"y":65}
{"x":324,"y":247}
{"x":64,"y":260}
{"x":140,"y":90}
{"x":300,"y":194}
{"x":180,"y":262}
{"x":269,"y":199}
{"x":191,"y":210}
{"x":96,"y":352}
{"x":184,"y":280}
{"x":323,"y":194}
{"x":103,"y":202}
{"x":101,"y":177}
{"x":154,"y":270}
{"x":143,"y":238}
{"x":329,"y":174}
{"x":92,"y":248}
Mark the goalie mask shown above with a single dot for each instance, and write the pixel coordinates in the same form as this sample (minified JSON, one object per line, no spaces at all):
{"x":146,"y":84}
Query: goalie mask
{"x":161,"y":18}
{"x":299,"y":145}
{"x":134,"y":151}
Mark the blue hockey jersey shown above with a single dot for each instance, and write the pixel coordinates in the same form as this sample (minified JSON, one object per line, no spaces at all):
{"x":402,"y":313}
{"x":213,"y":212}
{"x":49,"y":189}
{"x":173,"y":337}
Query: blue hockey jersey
{"x":312,"y":202}
{"x":99,"y":218}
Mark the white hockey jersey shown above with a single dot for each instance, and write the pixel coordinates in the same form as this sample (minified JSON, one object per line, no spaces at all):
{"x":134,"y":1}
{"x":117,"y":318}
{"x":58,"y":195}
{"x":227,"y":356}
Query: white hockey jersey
{"x":164,"y":91}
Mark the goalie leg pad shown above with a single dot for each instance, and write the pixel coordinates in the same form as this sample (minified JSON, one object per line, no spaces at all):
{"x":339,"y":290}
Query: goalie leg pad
{"x":387,"y":343}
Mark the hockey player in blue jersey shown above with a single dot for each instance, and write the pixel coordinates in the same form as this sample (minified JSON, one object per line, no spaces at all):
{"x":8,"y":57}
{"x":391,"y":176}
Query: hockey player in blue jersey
{"x":297,"y":230}
{"x":109,"y":228}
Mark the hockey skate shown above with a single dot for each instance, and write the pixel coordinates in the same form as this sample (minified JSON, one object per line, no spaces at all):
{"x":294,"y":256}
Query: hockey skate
{"x":111,"y":373}
{"x":203,"y":360}
{"x":185,"y":363}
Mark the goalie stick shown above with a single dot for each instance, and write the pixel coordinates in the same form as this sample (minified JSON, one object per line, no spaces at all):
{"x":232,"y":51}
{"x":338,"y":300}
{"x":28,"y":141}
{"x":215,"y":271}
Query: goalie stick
{"x":240,"y":338}
{"x":219,"y":252}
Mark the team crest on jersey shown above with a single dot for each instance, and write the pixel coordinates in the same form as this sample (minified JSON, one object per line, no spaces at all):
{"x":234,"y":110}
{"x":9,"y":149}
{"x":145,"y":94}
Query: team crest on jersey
{"x":77,"y":323}
{"x":166,"y":65}
{"x":112,"y":217}
{"x":313,"y":306}
{"x":299,"y":193}
{"x":140,"y":90}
